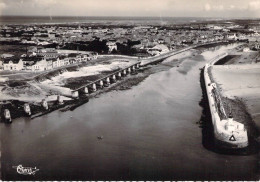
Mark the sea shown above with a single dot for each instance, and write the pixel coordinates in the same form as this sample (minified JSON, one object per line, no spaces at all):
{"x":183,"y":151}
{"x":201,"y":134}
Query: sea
{"x":25,"y":20}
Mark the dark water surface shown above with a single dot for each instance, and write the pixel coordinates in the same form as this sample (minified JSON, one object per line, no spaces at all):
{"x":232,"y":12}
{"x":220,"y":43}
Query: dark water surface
{"x":150,"y":133}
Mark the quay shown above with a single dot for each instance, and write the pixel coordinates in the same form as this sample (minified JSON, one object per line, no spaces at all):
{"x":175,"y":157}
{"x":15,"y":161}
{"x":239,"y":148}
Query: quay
{"x":227,"y":132}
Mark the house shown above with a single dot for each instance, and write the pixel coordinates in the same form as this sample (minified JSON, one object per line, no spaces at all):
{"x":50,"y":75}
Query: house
{"x":40,"y":65}
{"x":13,"y":64}
{"x":232,"y":36}
{"x":111,"y":46}
{"x":158,"y":49}
{"x":58,"y":62}
{"x":45,"y":52}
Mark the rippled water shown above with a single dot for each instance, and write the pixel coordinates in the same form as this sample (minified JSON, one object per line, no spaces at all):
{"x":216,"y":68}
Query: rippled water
{"x":149,"y":133}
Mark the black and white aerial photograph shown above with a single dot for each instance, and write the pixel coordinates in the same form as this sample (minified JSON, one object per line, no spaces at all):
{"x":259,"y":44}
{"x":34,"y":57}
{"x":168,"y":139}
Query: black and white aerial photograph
{"x":129,"y":90}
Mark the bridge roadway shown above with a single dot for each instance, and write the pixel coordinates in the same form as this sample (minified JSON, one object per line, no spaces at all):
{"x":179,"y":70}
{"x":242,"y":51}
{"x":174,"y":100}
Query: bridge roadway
{"x":106,"y":80}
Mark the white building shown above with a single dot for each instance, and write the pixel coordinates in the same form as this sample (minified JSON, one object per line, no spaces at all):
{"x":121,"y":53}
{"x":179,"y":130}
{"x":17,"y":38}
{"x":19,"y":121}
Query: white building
{"x":40,"y":65}
{"x":111,"y":46}
{"x":232,"y":36}
{"x":13,"y":64}
{"x":158,"y":49}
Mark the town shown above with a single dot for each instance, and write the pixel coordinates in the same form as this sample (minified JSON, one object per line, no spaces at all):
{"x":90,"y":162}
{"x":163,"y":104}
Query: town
{"x":47,"y":47}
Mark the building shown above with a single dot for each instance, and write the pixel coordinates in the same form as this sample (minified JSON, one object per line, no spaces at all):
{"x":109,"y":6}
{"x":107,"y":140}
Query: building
{"x":158,"y":49}
{"x":232,"y":36}
{"x":34,"y":63}
{"x":58,"y":63}
{"x":13,"y":64}
{"x":45,"y":52}
{"x":41,"y":65}
{"x":111,"y":46}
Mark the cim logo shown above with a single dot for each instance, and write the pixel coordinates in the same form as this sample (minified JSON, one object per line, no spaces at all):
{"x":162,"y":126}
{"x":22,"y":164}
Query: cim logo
{"x":25,"y":170}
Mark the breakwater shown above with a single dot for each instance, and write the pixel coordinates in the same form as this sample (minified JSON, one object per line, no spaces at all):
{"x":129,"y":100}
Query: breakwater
{"x":227,"y":132}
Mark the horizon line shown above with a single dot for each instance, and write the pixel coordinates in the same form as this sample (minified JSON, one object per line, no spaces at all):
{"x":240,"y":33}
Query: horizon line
{"x":130,"y":16}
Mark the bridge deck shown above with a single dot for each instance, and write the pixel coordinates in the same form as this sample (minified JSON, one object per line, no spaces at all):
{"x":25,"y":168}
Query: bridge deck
{"x":109,"y":75}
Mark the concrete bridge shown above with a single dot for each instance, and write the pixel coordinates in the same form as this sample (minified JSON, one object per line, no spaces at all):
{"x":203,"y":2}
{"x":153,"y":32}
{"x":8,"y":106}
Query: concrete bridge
{"x":105,"y":81}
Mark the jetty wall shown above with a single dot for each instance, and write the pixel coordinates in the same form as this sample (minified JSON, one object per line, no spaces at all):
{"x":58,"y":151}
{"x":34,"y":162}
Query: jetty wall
{"x":227,"y":131}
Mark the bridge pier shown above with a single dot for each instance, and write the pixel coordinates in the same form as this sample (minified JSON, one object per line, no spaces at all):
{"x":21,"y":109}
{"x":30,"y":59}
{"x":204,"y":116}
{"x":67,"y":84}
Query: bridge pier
{"x":118,"y":75}
{"x":113,"y":78}
{"x":85,"y":90}
{"x":60,"y":100}
{"x":75,"y":94}
{"x":107,"y":82}
{"x":93,"y":88}
{"x":124,"y":73}
{"x":27,"y":109}
{"x":129,"y":70}
{"x":7,"y":116}
{"x":45,"y":104}
{"x":137,"y":66}
{"x":100,"y":84}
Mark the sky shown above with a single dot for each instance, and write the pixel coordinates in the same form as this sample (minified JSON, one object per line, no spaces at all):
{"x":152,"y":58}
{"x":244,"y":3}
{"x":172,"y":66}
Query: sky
{"x":155,"y":8}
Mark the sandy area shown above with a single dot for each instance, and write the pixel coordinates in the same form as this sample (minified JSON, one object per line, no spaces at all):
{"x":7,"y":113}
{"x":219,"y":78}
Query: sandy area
{"x":241,"y":82}
{"x":36,"y":91}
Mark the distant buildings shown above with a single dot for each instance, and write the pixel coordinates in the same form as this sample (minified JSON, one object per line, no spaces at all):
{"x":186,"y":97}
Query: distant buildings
{"x":153,"y":40}
{"x":44,"y":59}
